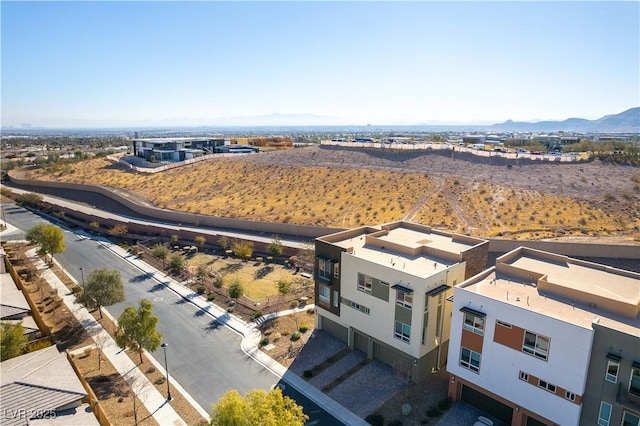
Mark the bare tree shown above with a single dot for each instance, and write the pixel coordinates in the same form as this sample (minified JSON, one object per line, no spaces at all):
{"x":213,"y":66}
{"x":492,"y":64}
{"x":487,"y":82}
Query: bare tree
{"x":137,"y":390}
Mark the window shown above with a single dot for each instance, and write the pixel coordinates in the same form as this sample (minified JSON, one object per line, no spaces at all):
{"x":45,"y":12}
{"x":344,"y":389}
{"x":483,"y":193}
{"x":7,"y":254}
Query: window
{"x":336,"y":299}
{"x":336,"y":270}
{"x":612,"y":371}
{"x":570,"y":396}
{"x":324,"y":293}
{"x":546,"y":385}
{"x":536,"y":345}
{"x":630,"y":419}
{"x":355,"y":306}
{"x":403,"y":331}
{"x":503,"y":324}
{"x":605,"y":414}
{"x":470,"y":359}
{"x":634,"y":381}
{"x":324,"y":269}
{"x":474,"y":323}
{"x":524,"y":376}
{"x":365,"y":283}
{"x":404,"y":299}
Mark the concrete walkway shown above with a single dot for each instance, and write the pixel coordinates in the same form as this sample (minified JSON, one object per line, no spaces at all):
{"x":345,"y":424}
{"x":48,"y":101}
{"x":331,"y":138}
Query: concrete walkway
{"x":155,"y":402}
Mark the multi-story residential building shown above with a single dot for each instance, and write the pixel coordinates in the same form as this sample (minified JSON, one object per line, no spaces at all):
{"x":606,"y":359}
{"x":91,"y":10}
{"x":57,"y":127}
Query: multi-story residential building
{"x":384,"y":290}
{"x":541,"y":338}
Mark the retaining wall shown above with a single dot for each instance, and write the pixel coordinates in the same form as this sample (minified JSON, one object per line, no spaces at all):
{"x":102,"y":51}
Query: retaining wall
{"x":496,"y":245}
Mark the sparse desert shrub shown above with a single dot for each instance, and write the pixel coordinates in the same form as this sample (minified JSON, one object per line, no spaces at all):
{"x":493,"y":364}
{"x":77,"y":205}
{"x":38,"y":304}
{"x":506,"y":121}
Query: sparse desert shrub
{"x":296,"y":335}
{"x":201,"y":289}
{"x":211,"y":297}
{"x":303,"y":328}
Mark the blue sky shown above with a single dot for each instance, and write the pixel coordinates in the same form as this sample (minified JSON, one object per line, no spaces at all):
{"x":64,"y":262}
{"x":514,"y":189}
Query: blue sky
{"x":83,"y":64}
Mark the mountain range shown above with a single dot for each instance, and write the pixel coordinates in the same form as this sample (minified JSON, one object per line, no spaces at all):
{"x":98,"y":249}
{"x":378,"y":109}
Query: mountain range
{"x":625,"y":122}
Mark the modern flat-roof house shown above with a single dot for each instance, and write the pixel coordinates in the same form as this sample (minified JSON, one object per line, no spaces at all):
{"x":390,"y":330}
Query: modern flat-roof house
{"x":383,"y":290}
{"x":542,"y":338}
{"x":174,"y":149}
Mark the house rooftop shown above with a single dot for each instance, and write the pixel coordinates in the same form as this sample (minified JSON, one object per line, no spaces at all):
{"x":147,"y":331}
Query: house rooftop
{"x":409,"y":247}
{"x":570,"y":290}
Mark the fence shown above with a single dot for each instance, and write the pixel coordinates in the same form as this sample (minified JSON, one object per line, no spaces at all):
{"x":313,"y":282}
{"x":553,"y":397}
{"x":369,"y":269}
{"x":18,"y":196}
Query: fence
{"x":98,"y":411}
{"x":46,"y":330}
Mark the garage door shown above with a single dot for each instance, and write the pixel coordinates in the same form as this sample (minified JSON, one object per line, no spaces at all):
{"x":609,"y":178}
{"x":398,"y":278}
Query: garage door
{"x":360,"y":342}
{"x":335,"y":329}
{"x":487,"y":404}
{"x":392,"y":358}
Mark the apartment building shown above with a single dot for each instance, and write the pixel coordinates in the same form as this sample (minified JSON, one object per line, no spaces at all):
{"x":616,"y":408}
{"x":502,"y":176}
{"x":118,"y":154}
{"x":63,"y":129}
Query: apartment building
{"x":541,"y":338}
{"x":383,"y":290}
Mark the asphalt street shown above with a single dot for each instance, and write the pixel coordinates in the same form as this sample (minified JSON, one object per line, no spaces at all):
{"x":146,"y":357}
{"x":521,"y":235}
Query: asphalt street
{"x":203,"y":356}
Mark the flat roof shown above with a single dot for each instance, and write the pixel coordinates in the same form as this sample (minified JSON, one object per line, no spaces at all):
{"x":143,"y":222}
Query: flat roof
{"x":596,"y":286}
{"x":606,"y":284}
{"x":384,"y":244}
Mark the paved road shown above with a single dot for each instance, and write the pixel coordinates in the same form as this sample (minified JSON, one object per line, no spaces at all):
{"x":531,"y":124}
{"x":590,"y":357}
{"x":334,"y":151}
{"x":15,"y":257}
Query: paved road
{"x":203,"y":356}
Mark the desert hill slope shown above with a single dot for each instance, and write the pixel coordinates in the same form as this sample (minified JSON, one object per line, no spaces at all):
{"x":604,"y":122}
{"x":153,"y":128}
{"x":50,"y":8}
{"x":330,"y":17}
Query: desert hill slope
{"x":346,"y":188}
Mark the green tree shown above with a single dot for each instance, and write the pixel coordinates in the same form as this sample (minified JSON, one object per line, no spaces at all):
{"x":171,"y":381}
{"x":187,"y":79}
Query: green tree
{"x":257,"y":408}
{"x":103,"y":287}
{"x":200,"y":240}
{"x":161,"y":252}
{"x":235,"y":289}
{"x":12,"y":340}
{"x":176,"y":262}
{"x":50,"y":238}
{"x":284,"y":286}
{"x":224,"y":242}
{"x":275,"y":248}
{"x":137,"y":329}
{"x":242,"y":249}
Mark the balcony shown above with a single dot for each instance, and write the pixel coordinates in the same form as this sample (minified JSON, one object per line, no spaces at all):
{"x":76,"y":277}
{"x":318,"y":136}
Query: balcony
{"x":626,"y":397}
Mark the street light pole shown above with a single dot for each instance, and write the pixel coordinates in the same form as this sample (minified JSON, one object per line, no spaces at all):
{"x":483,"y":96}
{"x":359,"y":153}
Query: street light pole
{"x":82,"y":275}
{"x":166,"y":369}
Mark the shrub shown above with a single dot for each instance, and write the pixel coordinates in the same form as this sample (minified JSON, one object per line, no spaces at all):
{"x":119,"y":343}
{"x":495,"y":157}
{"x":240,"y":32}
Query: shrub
{"x":296,"y":335}
{"x":307,"y":373}
{"x":285,"y":333}
{"x":433,"y":412}
{"x":201,"y":289}
{"x":264,"y":341}
{"x":303,"y":328}
{"x":276,"y":337}
{"x":375,"y":419}
{"x":311,"y":311}
{"x":256,"y":314}
{"x":293,"y":304}
{"x":211,"y":297}
{"x":445,"y":404}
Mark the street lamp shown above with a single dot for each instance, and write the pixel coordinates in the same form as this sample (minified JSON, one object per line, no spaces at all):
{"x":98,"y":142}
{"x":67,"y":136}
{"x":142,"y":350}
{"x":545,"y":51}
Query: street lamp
{"x":166,"y":369}
{"x":82,"y":275}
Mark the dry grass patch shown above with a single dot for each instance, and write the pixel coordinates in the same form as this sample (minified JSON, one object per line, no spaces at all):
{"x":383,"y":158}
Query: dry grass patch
{"x":259,"y":279}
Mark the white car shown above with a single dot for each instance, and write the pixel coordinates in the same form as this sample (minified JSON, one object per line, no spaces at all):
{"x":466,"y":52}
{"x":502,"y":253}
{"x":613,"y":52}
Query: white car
{"x":483,"y":421}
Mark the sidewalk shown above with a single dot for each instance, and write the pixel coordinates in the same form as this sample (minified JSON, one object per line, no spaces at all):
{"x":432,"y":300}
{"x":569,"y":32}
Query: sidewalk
{"x":251,"y":336}
{"x":156,"y":403}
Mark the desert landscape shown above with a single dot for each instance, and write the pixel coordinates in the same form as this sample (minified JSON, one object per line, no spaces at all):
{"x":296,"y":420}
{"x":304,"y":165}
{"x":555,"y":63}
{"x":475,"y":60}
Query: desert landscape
{"x":344,"y":188}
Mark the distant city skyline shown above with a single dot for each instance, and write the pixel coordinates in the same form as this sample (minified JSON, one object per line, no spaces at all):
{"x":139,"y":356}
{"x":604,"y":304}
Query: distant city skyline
{"x":112,"y":64}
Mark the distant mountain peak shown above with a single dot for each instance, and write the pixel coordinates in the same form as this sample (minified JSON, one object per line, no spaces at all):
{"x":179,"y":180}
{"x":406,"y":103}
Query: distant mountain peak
{"x":625,"y":122}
